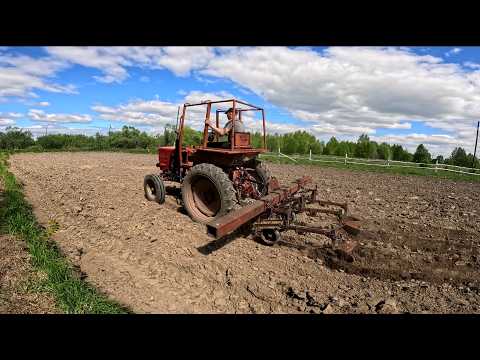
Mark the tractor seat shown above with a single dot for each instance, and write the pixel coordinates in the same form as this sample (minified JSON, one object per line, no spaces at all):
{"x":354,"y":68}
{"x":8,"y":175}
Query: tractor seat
{"x":219,"y":144}
{"x":242,"y":141}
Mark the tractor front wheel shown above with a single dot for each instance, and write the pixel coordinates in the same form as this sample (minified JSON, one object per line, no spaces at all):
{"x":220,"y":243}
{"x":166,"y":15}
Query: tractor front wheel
{"x":154,"y":188}
{"x":207,"y":193}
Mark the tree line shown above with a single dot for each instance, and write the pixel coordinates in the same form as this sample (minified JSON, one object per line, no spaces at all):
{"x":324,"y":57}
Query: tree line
{"x":298,"y":142}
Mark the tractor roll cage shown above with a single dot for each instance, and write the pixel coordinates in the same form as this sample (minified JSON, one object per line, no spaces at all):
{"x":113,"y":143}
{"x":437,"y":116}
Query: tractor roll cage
{"x":207,"y":117}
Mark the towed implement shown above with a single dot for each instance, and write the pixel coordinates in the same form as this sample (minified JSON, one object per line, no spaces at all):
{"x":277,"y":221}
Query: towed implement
{"x":225,"y":186}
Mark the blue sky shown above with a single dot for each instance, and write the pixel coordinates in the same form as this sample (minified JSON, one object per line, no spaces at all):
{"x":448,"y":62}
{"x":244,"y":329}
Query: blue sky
{"x":409,"y":96}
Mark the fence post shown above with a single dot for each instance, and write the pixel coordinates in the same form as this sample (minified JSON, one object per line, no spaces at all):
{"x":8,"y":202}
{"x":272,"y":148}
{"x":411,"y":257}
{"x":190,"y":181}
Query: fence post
{"x":310,"y":158}
{"x":346,"y":158}
{"x":388,"y":161}
{"x":436,"y":165}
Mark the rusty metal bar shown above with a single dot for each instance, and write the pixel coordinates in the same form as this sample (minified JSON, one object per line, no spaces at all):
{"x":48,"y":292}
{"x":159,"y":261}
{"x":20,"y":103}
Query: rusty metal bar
{"x":224,"y":101}
{"x":312,"y":229}
{"x":232,"y":138}
{"x":205,"y":129}
{"x":233,"y":220}
{"x":239,"y":110}
{"x":325,"y":211}
{"x":180,"y":141}
{"x":264,"y":133}
{"x":217,"y":119}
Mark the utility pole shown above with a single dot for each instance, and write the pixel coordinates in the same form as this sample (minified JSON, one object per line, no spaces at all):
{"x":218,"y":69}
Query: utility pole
{"x":476,"y":141}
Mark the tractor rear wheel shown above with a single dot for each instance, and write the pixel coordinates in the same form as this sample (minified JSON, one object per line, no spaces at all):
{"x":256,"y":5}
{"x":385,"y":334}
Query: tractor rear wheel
{"x":207,"y":193}
{"x":154,"y":188}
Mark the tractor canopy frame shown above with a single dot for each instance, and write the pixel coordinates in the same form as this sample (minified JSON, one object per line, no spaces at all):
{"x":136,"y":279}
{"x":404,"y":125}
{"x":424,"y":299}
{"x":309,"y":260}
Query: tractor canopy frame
{"x":236,"y":148}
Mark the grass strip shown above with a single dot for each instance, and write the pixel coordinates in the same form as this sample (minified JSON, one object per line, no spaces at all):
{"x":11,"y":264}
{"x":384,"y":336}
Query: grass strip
{"x":72,"y":295}
{"x":391,"y":169}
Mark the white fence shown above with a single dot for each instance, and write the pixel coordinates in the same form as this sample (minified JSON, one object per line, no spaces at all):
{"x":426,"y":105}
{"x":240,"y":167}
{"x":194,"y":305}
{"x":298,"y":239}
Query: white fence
{"x":376,"y":162}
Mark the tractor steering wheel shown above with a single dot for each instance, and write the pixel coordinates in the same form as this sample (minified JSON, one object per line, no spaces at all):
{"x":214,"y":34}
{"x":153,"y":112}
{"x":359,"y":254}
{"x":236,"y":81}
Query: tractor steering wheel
{"x":211,"y":136}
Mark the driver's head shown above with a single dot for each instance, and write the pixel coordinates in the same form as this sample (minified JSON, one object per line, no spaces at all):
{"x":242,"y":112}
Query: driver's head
{"x":229,"y":113}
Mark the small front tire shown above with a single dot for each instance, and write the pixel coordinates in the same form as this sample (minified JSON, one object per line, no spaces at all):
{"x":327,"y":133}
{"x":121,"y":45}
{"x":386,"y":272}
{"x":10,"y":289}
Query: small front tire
{"x":154,"y":188}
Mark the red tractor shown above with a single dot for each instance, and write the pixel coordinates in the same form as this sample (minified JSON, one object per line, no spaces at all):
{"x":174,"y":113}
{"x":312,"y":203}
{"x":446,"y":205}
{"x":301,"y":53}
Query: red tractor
{"x":217,"y":175}
{"x":225,"y":186}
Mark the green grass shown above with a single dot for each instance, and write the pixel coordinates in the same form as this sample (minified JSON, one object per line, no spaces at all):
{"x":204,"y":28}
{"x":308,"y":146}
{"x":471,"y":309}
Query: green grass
{"x":391,"y":170}
{"x":72,"y":295}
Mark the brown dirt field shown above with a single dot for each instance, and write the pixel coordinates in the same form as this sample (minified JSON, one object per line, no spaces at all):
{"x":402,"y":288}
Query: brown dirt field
{"x":419,"y":252}
{"x":15,"y":273}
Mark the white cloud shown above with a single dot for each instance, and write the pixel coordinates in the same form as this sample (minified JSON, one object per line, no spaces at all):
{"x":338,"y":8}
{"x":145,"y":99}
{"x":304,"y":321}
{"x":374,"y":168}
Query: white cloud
{"x":157,"y":113}
{"x":342,"y":91}
{"x":40,"y":115}
{"x":6,"y":122}
{"x":20,"y":75}
{"x":113,"y":61}
{"x":8,"y":119}
{"x":199,"y":96}
{"x":139,"y":112}
{"x":436,"y":144}
{"x":55,"y":128}
{"x":351,"y":90}
{"x":42,"y":103}
{"x":471,"y":65}
{"x":454,"y":51}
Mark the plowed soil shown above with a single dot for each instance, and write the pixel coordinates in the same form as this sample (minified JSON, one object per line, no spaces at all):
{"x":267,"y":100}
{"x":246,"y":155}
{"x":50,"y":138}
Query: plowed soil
{"x":419,"y":251}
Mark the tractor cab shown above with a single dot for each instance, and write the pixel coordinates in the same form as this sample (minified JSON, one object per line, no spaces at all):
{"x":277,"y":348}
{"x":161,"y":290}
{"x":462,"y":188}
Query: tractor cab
{"x":222,"y":151}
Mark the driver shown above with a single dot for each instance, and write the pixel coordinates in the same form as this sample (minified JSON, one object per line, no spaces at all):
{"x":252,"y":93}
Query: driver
{"x":239,"y":127}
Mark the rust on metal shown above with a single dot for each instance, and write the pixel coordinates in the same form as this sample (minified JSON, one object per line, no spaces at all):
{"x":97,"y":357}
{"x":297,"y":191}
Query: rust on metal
{"x":352,"y":225}
{"x":205,"y":129}
{"x":233,"y":220}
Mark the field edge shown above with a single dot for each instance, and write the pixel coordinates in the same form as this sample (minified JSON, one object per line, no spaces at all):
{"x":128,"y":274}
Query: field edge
{"x":72,"y":294}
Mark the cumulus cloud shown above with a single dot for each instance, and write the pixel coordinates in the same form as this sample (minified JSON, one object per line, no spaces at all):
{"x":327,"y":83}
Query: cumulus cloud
{"x":454,"y":51}
{"x":353,"y":90}
{"x":113,"y":61}
{"x":41,"y":116}
{"x":20,"y":75}
{"x":341,"y":91}
{"x":8,"y":119}
{"x":55,"y":128}
{"x":157,"y":113}
{"x":139,"y":112}
{"x":437,"y":144}
{"x":471,"y":65}
{"x":42,"y":103}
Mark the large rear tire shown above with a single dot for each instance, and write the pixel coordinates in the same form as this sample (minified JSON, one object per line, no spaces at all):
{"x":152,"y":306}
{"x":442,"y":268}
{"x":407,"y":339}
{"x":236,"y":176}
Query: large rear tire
{"x":207,"y":193}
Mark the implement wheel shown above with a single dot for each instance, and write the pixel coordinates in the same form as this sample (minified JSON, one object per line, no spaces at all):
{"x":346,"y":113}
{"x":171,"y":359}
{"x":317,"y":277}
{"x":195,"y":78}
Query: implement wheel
{"x":270,"y":236}
{"x":154,"y":188}
{"x":207,"y":193}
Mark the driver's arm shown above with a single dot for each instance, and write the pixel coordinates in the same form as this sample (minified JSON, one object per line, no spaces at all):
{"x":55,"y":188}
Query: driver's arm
{"x":219,"y":131}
